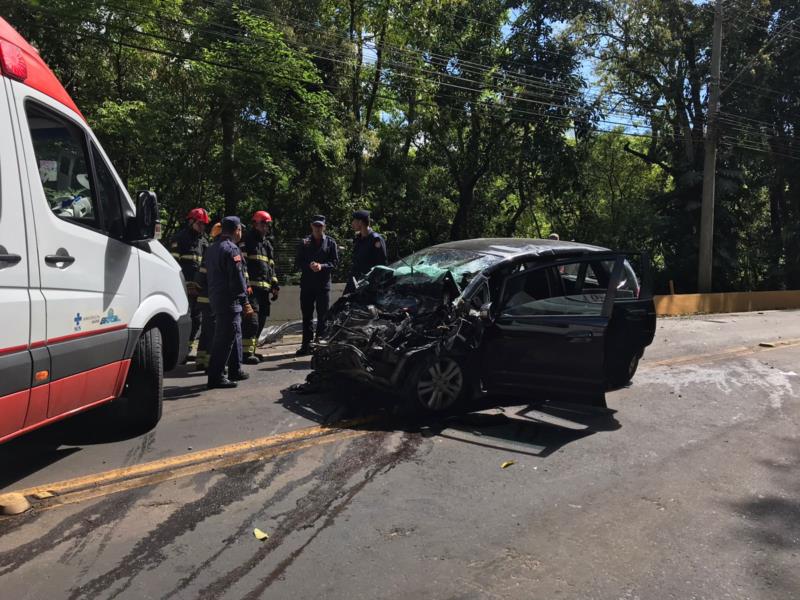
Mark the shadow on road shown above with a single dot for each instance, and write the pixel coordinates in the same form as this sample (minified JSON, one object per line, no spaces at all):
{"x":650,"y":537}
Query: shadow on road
{"x":536,"y":428}
{"x":772,"y":521}
{"x":180,"y":392}
{"x":41,"y":448}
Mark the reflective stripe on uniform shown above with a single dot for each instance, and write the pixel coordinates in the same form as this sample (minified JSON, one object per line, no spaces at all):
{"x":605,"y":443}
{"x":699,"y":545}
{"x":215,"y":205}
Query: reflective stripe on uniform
{"x":202,"y":300}
{"x":203,"y":270}
{"x":261,"y":284}
{"x":260,"y":257}
{"x":249,"y":345}
{"x":192,"y":257}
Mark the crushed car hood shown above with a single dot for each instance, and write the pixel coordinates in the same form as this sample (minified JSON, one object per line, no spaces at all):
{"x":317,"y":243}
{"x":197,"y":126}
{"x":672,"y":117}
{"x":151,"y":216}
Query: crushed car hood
{"x":390,"y":319}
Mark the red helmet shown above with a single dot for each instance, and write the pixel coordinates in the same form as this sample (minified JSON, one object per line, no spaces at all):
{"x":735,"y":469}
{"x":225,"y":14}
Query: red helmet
{"x":199,"y":214}
{"x":262,"y":216}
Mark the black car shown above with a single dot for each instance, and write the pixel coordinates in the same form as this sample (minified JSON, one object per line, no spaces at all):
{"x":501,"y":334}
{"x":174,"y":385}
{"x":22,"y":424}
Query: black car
{"x":508,"y":316}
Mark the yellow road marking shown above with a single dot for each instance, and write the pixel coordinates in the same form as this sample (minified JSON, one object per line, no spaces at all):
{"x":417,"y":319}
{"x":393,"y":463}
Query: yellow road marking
{"x":714,"y":356}
{"x":203,"y":458}
{"x":113,"y":487}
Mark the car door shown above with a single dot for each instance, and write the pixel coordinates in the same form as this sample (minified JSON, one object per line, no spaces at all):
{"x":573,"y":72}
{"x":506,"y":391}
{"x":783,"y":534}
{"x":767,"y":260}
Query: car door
{"x":89,"y":276}
{"x":633,"y":322}
{"x":15,"y":357}
{"x":548,"y":331}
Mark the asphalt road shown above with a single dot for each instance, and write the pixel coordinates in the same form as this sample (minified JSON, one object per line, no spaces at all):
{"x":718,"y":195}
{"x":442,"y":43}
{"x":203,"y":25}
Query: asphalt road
{"x":687,"y":487}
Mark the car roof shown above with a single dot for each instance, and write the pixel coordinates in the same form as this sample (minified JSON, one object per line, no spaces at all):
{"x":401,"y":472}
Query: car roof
{"x":40,"y":77}
{"x":507,"y":248}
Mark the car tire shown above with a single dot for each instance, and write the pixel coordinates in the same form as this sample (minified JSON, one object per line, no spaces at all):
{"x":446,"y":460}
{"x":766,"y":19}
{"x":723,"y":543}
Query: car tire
{"x":622,"y":370}
{"x":144,"y":389}
{"x":438,"y":384}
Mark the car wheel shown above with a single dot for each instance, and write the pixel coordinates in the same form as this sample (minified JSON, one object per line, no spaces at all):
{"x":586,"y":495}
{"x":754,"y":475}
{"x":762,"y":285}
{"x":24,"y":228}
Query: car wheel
{"x":439,"y":384}
{"x":144,"y":389}
{"x":623,"y":370}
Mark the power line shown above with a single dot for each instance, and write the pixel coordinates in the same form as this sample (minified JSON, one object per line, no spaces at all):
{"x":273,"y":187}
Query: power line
{"x":511,"y":96}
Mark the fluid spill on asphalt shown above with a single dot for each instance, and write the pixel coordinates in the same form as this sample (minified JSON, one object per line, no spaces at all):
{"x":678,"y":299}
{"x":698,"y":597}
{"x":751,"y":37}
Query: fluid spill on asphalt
{"x":76,"y":528}
{"x":149,"y":552}
{"x":331,"y":495}
{"x":332,"y":486}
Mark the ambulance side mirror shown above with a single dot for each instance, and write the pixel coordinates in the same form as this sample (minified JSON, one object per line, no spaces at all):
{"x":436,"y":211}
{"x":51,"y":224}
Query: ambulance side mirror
{"x":143,"y":226}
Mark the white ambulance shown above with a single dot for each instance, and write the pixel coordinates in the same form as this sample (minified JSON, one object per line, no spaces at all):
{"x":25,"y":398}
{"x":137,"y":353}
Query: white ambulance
{"x":92,"y":307}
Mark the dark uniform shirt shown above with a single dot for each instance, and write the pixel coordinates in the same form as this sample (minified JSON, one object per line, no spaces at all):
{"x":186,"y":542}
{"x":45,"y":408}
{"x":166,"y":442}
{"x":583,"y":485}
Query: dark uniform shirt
{"x":368,"y":251}
{"x":188,"y":248}
{"x":227,"y":288}
{"x":326,"y":253}
{"x":260,"y":257}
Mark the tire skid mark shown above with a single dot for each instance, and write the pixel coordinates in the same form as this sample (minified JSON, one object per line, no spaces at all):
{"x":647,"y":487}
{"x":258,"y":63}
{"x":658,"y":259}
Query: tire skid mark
{"x":148,"y":552}
{"x":324,"y":502}
{"x":246,"y":525}
{"x":77,"y":527}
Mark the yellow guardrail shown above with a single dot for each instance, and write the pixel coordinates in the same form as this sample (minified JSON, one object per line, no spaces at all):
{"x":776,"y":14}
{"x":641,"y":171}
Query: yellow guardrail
{"x":692,"y":304}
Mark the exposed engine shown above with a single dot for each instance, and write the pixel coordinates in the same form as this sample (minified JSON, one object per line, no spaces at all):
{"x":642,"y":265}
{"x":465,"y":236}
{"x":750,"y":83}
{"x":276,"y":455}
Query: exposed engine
{"x":378,"y":329}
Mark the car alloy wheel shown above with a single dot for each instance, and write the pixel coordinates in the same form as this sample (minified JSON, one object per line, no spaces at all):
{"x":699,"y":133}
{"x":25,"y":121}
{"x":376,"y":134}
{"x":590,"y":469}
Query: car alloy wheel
{"x":440,"y":384}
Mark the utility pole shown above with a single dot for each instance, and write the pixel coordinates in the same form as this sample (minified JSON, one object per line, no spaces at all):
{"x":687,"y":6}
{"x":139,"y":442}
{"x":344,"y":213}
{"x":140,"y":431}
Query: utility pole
{"x":710,"y":161}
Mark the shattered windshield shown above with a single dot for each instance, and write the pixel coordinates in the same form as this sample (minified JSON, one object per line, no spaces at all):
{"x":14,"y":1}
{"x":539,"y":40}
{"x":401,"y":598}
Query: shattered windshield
{"x":430,"y":264}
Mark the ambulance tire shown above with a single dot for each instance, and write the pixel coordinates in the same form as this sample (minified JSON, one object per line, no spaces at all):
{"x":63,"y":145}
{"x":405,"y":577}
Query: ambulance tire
{"x":144,"y":390}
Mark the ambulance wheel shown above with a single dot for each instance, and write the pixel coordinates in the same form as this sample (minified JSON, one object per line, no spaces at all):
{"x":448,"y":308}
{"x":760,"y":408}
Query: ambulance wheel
{"x":144,"y":390}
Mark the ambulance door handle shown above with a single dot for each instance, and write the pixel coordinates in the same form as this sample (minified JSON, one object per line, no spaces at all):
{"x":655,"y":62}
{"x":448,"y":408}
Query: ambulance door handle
{"x":59,"y":259}
{"x":10,"y":259}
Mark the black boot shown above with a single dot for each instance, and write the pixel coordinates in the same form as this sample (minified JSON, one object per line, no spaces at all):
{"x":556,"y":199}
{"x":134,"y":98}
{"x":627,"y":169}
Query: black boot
{"x":223,"y":383}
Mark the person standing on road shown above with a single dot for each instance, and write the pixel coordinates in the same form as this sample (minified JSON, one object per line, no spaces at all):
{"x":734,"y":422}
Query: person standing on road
{"x":188,"y":247}
{"x":207,"y":328}
{"x":317,"y":257}
{"x":262,"y":279}
{"x":369,"y":249}
{"x":227,"y":291}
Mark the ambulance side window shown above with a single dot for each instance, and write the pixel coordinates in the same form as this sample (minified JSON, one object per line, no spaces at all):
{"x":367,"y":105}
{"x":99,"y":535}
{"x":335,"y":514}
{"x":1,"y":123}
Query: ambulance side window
{"x":64,"y":166}
{"x":108,"y":193}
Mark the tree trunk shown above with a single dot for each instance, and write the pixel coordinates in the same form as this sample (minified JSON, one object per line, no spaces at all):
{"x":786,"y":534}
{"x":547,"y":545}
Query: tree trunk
{"x":356,"y":145}
{"x":466,"y":196}
{"x":777,"y":194}
{"x":229,"y":190}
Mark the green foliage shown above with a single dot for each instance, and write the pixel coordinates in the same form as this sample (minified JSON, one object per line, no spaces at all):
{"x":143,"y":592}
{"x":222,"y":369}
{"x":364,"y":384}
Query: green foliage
{"x":448,"y":118}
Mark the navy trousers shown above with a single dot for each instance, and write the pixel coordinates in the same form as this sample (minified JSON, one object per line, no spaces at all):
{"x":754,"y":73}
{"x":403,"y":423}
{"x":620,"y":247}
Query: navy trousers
{"x":227,"y":347}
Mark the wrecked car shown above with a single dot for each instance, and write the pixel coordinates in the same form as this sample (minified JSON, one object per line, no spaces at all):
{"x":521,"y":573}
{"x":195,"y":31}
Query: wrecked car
{"x":501,"y":316}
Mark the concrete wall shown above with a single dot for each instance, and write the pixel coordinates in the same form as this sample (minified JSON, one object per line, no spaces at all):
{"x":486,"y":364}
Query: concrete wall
{"x":287,"y":308}
{"x":689,"y":304}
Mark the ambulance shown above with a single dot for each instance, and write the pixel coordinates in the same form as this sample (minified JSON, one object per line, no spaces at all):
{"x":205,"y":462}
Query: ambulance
{"x":93,"y":308}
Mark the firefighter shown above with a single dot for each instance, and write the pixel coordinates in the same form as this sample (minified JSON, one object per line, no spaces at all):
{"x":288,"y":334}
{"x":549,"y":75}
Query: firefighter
{"x":317,"y":257}
{"x":207,"y":327}
{"x":188,"y":247}
{"x":262,"y":279}
{"x":227,"y":291}
{"x":369,"y":249}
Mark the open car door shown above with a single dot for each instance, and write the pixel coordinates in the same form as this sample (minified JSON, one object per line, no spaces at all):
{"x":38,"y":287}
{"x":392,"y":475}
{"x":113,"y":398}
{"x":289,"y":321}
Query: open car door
{"x":549,"y":327}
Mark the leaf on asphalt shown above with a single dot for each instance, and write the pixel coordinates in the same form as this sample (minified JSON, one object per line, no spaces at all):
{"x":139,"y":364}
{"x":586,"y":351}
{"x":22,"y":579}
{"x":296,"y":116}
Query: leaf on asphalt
{"x":767,"y":344}
{"x":507,"y":464}
{"x":260,"y":535}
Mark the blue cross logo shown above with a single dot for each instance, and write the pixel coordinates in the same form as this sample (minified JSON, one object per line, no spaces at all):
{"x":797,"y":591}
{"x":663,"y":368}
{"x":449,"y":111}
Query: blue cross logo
{"x":78,"y":318}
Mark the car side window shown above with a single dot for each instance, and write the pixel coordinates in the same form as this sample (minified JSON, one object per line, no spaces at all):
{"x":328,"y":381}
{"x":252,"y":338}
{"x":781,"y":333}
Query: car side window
{"x":567,"y":289}
{"x":64,"y":166}
{"x":109,"y":196}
